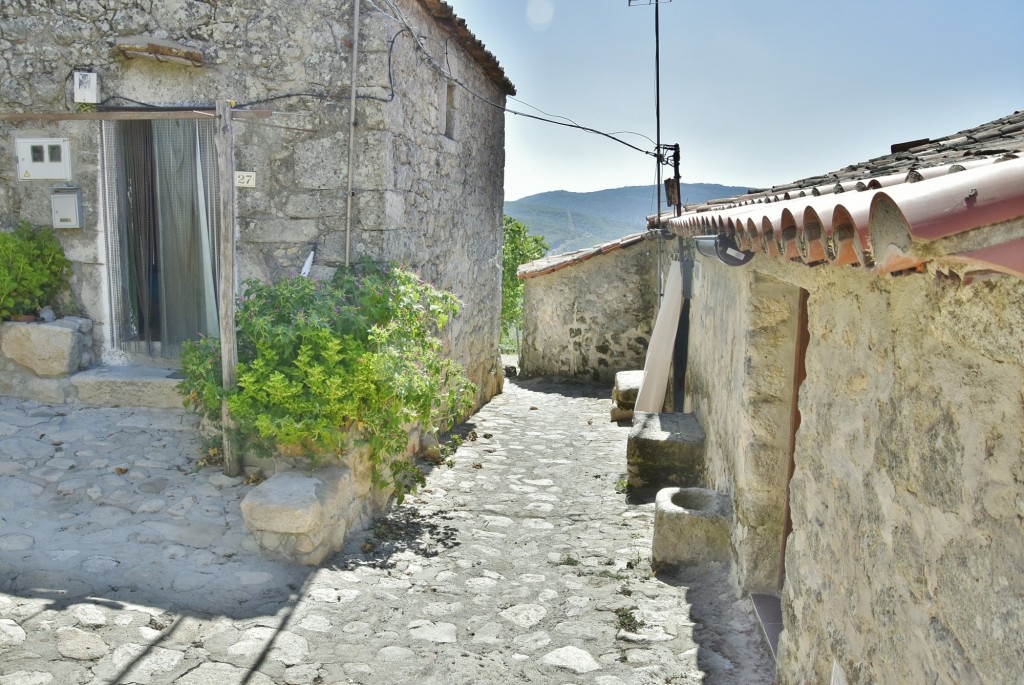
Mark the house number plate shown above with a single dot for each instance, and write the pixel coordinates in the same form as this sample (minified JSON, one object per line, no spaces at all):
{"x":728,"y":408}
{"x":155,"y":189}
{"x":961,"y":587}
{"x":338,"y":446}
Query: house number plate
{"x":245,"y":179}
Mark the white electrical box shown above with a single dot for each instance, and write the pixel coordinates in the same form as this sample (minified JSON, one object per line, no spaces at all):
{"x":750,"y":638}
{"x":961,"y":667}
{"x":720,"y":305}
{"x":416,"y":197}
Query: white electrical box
{"x":87,"y":87}
{"x":66,"y":204}
{"x":43,"y":159}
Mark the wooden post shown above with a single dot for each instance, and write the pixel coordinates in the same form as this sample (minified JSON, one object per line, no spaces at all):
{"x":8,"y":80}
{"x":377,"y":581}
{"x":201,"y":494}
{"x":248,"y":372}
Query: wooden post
{"x":226,"y":289}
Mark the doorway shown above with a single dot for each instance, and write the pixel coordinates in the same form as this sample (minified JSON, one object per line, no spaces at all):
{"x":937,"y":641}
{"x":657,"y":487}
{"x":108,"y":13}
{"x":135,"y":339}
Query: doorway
{"x":163,"y":234}
{"x":803,"y":337}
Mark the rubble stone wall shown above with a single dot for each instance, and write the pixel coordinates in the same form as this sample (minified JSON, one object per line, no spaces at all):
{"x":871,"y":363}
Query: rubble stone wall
{"x":908,"y":492}
{"x":424,"y":194}
{"x":592,"y":319}
{"x":740,"y":384}
{"x":37,"y":359}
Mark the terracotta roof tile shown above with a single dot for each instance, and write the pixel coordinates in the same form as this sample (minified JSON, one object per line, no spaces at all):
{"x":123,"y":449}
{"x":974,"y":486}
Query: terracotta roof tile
{"x":546,"y":265}
{"x":941,"y":190}
{"x":446,"y":17}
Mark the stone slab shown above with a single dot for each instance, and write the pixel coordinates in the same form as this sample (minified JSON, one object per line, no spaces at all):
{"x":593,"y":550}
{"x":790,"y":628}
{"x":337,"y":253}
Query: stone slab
{"x":289,"y":502}
{"x":621,"y":415}
{"x":128,"y":386}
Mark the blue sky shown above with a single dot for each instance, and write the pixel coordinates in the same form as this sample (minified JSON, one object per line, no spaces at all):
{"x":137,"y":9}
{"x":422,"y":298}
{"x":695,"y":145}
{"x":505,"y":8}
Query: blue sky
{"x":756,"y":93}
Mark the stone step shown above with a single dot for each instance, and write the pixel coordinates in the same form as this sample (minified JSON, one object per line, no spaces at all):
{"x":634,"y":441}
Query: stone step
{"x":627,"y":387}
{"x":665,"y":450}
{"x":128,"y":386}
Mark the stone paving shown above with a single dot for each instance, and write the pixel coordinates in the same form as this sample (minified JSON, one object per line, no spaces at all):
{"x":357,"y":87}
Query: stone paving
{"x":121,"y":561}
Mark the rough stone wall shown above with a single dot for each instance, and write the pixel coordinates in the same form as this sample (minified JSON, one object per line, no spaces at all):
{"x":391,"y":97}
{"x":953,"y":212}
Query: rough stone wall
{"x":419,"y":197}
{"x":593,"y":319}
{"x":739,"y":381}
{"x":908,"y":492}
{"x":441,"y":189}
{"x":911,"y":479}
{"x":253,"y":51}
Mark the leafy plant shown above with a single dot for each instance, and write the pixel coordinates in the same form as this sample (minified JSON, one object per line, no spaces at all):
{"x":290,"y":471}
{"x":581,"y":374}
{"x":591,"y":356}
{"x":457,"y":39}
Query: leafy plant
{"x":324,"y":367}
{"x":628,"y":620}
{"x":519,"y":248}
{"x":33,"y":270}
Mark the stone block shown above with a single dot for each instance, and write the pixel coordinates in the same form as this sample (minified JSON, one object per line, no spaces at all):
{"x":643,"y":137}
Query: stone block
{"x":81,"y":324}
{"x":691,"y":525}
{"x":47,"y":350}
{"x":281,"y":231}
{"x":664,"y":450}
{"x":627,"y":387}
{"x":304,"y":516}
{"x":618,"y":414}
{"x":288,"y":502}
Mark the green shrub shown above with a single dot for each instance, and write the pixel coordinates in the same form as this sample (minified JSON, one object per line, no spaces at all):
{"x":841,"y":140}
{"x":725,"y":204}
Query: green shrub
{"x":323,"y":364}
{"x":33,"y":270}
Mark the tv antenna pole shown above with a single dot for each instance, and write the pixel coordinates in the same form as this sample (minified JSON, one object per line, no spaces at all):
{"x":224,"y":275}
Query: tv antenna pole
{"x":672,"y":187}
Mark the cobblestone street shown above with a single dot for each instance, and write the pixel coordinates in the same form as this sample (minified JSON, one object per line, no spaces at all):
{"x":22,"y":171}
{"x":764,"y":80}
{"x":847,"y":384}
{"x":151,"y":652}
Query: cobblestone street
{"x":122,"y":562}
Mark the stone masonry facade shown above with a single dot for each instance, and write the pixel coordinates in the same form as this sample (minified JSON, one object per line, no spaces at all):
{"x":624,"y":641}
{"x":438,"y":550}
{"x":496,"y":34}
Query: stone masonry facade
{"x":867,"y":430}
{"x":428,"y":154}
{"x":907,"y":489}
{"x":592,"y":319}
{"x":746,"y":452}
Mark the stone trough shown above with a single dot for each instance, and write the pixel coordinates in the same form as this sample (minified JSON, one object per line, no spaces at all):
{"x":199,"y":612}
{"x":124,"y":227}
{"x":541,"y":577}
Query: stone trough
{"x":665,"y":450}
{"x":691,"y":525}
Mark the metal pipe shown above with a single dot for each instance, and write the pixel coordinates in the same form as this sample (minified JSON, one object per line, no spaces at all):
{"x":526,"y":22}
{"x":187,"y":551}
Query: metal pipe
{"x":352,"y":131}
{"x":657,"y":100}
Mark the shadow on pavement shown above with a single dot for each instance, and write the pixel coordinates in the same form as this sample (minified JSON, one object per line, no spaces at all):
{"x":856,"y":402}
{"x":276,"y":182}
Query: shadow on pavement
{"x":567,"y":387}
{"x":731,"y":650}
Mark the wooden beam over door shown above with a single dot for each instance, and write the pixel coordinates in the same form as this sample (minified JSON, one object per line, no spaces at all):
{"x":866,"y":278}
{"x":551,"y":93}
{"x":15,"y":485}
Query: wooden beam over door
{"x":132,"y":115}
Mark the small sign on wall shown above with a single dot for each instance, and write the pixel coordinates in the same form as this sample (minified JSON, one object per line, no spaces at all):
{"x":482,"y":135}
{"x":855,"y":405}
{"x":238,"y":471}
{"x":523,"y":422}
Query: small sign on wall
{"x":245,"y":179}
{"x":87,"y":87}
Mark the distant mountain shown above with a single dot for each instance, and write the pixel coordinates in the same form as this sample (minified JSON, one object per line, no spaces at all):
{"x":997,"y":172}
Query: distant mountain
{"x":572,"y":221}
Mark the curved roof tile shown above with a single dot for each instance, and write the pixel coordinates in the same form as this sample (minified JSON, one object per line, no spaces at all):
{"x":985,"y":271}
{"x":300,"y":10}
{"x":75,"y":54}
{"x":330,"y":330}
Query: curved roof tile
{"x":937,"y":191}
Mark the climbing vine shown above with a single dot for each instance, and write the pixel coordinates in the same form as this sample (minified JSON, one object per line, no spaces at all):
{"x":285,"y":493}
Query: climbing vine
{"x":326,"y":365}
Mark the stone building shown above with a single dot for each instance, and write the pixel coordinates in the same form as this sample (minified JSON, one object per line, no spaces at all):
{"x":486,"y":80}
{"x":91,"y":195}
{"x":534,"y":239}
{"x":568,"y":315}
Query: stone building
{"x":369,"y":130}
{"x":859,"y":385}
{"x":593,"y":319}
{"x":857,"y":375}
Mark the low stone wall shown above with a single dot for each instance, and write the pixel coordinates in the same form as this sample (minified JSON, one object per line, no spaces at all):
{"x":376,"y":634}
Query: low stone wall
{"x":305,"y":515}
{"x":37,"y":359}
{"x":593,"y":319}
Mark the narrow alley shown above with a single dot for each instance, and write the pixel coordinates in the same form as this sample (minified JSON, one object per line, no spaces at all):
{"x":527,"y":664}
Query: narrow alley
{"x":121,"y":561}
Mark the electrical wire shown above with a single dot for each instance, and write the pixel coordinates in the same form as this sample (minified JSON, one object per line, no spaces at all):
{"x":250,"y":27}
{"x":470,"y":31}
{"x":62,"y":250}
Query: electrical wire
{"x":391,"y":75}
{"x":586,"y":129}
{"x":447,"y":73}
{"x":427,"y":58}
{"x":243,"y":105}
